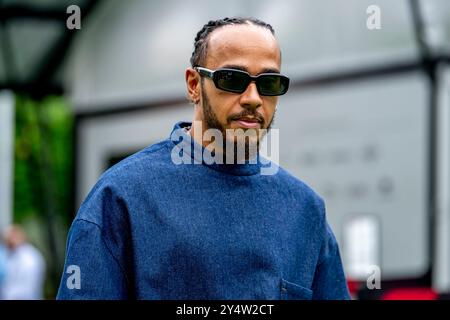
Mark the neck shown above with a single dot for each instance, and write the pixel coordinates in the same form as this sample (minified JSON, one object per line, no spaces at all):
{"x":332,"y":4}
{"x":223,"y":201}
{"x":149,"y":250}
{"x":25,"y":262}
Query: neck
{"x":199,"y":152}
{"x":231,"y":149}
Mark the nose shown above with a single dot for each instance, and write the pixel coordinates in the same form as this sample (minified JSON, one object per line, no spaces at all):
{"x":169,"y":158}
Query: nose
{"x":250,"y":98}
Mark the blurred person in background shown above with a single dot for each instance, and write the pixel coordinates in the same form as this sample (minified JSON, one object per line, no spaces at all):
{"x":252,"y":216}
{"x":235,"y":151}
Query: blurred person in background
{"x":24,"y":267}
{"x":2,"y":264}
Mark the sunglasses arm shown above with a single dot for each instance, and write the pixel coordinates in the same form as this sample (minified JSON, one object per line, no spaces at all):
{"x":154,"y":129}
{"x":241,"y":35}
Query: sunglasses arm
{"x":205,"y":72}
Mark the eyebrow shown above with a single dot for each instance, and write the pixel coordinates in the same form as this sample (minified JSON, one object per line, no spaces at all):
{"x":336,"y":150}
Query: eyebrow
{"x":238,"y":67}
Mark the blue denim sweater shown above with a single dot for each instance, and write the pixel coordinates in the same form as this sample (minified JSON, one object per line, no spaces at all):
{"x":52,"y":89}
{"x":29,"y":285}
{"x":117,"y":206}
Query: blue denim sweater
{"x":151,"y":229}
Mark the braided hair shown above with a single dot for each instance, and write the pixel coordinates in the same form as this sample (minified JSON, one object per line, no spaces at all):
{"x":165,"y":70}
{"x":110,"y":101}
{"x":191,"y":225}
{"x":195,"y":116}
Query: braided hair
{"x":201,"y":40}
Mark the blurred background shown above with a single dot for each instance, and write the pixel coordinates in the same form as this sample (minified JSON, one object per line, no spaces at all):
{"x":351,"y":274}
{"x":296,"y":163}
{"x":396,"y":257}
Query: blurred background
{"x":366,"y":122}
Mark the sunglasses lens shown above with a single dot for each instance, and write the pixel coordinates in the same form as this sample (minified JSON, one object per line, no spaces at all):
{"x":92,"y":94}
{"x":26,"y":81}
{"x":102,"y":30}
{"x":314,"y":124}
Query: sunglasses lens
{"x":233,"y":81}
{"x":273,"y":85}
{"x":237,"y":81}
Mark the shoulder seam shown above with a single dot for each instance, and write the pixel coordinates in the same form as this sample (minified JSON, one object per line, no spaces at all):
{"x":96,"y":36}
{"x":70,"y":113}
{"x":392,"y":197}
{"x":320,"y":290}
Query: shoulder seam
{"x":145,"y":151}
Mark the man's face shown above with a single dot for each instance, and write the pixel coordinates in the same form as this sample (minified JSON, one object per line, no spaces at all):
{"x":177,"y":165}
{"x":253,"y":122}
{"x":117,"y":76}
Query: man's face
{"x":14,"y":237}
{"x":245,"y":47}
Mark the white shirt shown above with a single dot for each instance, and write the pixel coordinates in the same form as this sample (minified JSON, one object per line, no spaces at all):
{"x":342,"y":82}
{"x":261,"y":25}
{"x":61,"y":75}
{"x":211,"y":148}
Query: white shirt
{"x":24,"y":274}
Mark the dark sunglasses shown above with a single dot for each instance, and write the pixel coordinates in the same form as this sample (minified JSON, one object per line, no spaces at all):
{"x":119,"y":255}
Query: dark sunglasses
{"x":237,"y":81}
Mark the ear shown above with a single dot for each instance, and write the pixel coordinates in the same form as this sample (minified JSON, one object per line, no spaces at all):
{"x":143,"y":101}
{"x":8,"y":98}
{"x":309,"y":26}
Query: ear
{"x":193,"y":85}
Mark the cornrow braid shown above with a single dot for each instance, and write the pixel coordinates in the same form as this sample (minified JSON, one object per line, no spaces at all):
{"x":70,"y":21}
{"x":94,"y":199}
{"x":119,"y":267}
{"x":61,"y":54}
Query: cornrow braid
{"x":201,"y":40}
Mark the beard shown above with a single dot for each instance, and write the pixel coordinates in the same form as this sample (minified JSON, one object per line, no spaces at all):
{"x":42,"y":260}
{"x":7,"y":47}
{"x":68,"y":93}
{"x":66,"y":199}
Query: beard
{"x":239,"y":142}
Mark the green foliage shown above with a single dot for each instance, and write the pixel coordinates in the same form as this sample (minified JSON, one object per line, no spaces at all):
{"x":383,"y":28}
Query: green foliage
{"x":43,"y":138}
{"x":42,"y":178}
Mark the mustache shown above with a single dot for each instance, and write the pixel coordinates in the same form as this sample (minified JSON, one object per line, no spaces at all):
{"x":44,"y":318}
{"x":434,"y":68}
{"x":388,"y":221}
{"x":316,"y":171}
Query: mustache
{"x":243,"y":114}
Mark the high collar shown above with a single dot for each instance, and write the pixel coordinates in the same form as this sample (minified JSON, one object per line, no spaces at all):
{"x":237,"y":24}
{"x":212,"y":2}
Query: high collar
{"x":196,"y":151}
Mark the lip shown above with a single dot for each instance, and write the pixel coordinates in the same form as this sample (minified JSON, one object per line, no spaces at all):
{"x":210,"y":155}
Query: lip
{"x":248,"y":123}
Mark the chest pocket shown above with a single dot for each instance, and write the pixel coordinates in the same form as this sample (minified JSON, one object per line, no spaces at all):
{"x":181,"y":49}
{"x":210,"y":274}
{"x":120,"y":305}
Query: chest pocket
{"x":292,"y":291}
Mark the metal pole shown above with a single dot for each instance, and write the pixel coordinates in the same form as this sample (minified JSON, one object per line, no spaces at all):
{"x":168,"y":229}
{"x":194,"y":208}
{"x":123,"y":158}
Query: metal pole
{"x":7,"y":112}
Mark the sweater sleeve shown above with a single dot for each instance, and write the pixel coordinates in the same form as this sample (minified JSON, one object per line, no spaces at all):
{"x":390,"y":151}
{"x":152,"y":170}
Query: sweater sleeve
{"x":91,"y":271}
{"x":329,"y":279}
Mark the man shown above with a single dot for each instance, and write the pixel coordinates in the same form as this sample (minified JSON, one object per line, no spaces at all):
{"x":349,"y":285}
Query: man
{"x":158,"y":226}
{"x":2,"y":265}
{"x":24,"y":268}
